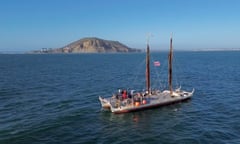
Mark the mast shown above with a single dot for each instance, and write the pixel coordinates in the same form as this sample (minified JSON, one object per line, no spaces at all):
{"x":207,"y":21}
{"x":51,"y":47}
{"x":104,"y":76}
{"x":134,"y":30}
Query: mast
{"x":170,"y":55}
{"x":148,"y":69}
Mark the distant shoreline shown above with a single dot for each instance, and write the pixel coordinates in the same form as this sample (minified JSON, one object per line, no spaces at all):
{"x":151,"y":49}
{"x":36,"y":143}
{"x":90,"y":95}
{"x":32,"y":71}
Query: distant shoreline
{"x":223,"y":49}
{"x":153,"y":51}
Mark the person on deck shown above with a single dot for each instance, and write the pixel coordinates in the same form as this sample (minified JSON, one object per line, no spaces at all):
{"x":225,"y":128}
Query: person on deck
{"x":124,"y":95}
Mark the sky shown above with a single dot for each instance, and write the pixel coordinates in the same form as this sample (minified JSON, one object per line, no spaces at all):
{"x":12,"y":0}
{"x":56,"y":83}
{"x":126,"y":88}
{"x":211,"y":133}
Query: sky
{"x":196,"y":24}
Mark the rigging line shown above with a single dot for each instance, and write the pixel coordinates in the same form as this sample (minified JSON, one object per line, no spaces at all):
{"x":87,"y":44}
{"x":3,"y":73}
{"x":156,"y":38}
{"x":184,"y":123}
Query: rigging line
{"x":138,"y":72}
{"x":178,"y":71}
{"x":163,"y":76}
{"x":159,"y":81}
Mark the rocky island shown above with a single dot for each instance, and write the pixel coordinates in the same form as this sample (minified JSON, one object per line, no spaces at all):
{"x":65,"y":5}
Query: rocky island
{"x":90,"y":45}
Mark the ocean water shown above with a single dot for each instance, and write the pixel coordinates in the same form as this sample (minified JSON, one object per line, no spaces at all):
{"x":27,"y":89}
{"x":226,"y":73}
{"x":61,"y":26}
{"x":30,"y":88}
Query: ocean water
{"x":54,"y":99}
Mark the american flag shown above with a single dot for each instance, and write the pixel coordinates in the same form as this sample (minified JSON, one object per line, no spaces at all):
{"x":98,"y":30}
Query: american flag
{"x":156,"y":63}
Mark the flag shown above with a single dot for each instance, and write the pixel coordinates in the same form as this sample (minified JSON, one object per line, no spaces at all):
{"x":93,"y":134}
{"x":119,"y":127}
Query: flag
{"x":156,"y":63}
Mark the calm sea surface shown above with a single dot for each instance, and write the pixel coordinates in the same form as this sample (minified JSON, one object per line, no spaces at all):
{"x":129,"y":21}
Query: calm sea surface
{"x":54,"y":99}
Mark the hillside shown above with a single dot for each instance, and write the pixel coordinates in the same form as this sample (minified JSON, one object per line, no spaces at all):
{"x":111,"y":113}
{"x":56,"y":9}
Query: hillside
{"x":91,"y":45}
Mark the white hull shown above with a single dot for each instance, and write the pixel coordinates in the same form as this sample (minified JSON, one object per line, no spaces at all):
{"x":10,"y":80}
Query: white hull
{"x":105,"y":102}
{"x":150,"y":101}
{"x":123,"y":102}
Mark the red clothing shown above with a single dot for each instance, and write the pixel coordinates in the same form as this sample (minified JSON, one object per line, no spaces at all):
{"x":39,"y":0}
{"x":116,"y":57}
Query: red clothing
{"x":124,"y":95}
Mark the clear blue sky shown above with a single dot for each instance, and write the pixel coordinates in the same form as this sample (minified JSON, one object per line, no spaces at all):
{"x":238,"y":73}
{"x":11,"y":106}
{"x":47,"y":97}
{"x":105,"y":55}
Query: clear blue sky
{"x":34,"y":24}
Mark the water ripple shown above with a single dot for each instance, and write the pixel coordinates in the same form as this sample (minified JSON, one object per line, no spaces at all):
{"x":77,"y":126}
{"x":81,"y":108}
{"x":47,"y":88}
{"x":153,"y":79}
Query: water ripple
{"x":54,"y":99}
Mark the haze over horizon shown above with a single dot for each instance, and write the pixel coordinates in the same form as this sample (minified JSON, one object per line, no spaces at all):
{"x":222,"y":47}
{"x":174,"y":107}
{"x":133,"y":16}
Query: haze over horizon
{"x":200,"y":24}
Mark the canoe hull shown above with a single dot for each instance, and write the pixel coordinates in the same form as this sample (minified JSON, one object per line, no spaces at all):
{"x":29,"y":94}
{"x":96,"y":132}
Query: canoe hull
{"x":147,"y":102}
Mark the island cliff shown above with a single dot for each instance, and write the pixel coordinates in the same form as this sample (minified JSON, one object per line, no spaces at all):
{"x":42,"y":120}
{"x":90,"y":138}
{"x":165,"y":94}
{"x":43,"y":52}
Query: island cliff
{"x":91,"y":45}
